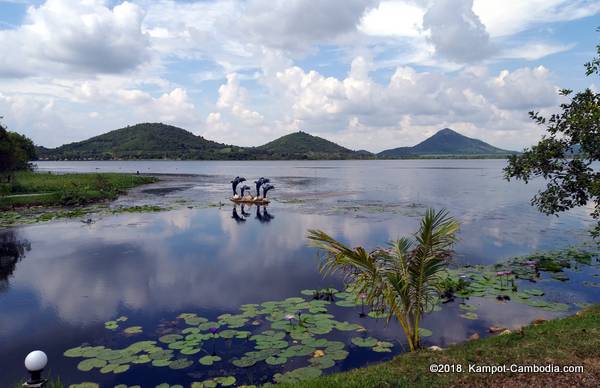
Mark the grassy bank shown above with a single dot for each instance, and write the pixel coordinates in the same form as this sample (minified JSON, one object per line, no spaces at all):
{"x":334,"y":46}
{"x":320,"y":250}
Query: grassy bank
{"x":42,"y":189}
{"x":569,"y":341}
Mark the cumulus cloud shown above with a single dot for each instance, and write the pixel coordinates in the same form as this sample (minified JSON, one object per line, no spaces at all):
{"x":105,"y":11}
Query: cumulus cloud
{"x":456,"y":31}
{"x":413,"y":104}
{"x":362,"y":72}
{"x":65,"y":35}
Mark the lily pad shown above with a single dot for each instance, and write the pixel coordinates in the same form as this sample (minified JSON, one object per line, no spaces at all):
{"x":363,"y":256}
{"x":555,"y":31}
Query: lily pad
{"x":133,"y":330}
{"x":180,"y":363}
{"x":364,"y":342}
{"x":209,"y":360}
{"x":169,"y":338}
{"x":276,"y":360}
{"x":91,"y":363}
{"x":469,"y":315}
{"x":225,"y":381}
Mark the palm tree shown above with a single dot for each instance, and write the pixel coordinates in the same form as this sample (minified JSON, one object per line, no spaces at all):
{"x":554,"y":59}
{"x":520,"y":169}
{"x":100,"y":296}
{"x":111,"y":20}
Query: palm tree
{"x":402,"y":280}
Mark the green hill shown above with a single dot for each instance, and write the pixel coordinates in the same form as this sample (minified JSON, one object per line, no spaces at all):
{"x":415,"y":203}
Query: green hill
{"x":144,"y":141}
{"x":446,"y":142}
{"x":301,"y":145}
{"x":161,"y":141}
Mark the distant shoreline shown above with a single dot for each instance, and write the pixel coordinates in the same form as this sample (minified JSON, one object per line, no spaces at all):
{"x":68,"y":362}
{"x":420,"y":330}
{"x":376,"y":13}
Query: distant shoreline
{"x":419,"y":157}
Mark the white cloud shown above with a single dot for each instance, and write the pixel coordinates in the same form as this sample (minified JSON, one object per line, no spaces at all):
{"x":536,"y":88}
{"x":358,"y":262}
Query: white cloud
{"x":535,"y":50}
{"x":509,"y":17}
{"x":360,"y":111}
{"x":62,"y":36}
{"x":78,"y":68}
{"x":393,"y":18}
{"x":456,"y":31}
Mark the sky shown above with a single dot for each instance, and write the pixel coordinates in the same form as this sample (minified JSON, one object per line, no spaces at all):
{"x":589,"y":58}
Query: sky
{"x":366,"y":74}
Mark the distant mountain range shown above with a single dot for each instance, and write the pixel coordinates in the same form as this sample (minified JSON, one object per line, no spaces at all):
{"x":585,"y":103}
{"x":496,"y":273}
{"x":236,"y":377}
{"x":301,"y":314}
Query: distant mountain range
{"x":161,"y":141}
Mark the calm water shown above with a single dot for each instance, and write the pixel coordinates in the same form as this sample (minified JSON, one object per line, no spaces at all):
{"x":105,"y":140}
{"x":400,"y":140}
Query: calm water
{"x":60,"y":281}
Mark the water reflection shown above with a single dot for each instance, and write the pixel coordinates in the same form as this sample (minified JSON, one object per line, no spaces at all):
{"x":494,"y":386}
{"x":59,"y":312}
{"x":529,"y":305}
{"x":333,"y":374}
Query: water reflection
{"x":12,"y":250}
{"x":263,"y":217}
{"x":261,"y":214}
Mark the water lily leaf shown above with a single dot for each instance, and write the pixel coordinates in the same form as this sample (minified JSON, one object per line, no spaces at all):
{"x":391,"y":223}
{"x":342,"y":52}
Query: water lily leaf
{"x":345,"y":303}
{"x":381,"y":349}
{"x":308,"y":292}
{"x":297,"y":375}
{"x":109,"y":354}
{"x":180,"y":363}
{"x":322,"y":362}
{"x":195,"y":321}
{"x":190,"y":351}
{"x":133,"y":330}
{"x":225,"y":381}
{"x":423,"y":332}
{"x":121,"y":369}
{"x":244,"y":362}
{"x":209,"y":360}
{"x":143,"y":359}
{"x":161,"y":362}
{"x":364,"y":342}
{"x":85,"y":384}
{"x":469,"y":315}
{"x":161,"y":355}
{"x":169,"y":338}
{"x":109,"y":368}
{"x":74,"y":352}
{"x":90,"y":363}
{"x":276,"y":360}
{"x":121,"y":319}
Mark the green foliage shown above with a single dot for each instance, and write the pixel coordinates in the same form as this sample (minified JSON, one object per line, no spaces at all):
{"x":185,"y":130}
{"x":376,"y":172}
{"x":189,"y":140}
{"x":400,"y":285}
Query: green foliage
{"x":401,"y":280}
{"x":565,"y":155}
{"x":28,"y":188}
{"x":15,"y":153}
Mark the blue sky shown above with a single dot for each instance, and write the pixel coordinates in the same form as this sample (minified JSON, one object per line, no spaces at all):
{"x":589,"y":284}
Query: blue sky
{"x":367,"y":74}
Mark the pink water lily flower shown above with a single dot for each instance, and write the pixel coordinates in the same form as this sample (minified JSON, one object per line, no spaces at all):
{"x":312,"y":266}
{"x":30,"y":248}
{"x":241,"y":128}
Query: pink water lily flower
{"x":290,"y":317}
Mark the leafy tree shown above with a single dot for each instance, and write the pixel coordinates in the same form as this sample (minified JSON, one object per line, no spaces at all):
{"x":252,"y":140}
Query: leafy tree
{"x":403,"y":280}
{"x":567,"y":155}
{"x":15,"y":152}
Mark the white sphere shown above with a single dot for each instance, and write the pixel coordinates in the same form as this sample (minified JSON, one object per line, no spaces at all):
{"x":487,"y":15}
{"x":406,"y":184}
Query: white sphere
{"x":36,"y":361}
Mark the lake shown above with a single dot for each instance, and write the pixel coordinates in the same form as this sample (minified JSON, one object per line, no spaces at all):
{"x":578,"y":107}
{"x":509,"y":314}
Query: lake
{"x":60,"y":282}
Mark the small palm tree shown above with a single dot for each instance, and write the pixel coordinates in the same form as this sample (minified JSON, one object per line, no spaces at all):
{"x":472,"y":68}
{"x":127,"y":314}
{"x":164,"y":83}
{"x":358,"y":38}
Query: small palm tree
{"x":402,"y":280}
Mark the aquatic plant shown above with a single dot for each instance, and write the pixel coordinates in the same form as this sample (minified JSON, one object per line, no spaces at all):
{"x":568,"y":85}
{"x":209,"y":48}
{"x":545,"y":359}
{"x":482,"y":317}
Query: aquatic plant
{"x":401,"y":280}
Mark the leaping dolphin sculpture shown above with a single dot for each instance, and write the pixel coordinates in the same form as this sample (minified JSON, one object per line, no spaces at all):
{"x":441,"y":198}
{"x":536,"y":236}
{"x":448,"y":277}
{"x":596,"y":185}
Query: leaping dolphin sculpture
{"x":261,"y":181}
{"x":243,"y":190}
{"x":235,"y":182}
{"x":266,"y":189}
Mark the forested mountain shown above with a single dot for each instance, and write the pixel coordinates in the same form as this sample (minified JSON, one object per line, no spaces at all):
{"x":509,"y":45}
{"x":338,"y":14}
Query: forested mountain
{"x":161,"y":141}
{"x":446,"y":142}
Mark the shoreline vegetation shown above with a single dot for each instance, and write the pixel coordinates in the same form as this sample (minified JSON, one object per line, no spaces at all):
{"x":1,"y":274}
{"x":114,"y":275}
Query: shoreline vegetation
{"x":69,"y":192}
{"x":570,"y":341}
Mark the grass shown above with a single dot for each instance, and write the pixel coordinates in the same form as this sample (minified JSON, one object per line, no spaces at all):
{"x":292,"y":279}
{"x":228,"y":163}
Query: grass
{"x":42,"y":189}
{"x":573,"y":340}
